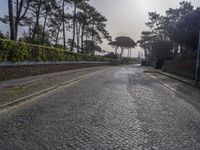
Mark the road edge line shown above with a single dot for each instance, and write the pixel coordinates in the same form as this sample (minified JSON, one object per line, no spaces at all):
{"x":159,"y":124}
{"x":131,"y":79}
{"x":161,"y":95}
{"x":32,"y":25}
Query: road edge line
{"x":172,"y":77}
{"x":46,"y":91}
{"x":165,"y":85}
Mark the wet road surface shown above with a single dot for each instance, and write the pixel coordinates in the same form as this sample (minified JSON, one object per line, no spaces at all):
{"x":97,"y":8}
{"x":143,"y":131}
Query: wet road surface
{"x":120,"y":108}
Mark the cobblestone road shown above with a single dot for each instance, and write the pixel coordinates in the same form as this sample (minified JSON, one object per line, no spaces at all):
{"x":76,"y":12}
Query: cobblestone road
{"x":120,"y":108}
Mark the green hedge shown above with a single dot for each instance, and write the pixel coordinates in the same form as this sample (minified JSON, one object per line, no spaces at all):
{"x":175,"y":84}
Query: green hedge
{"x":19,"y":51}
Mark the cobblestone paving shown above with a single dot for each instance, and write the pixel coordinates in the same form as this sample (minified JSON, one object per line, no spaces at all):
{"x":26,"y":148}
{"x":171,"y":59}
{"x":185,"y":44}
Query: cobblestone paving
{"x":18,"y":88}
{"x":121,"y":108}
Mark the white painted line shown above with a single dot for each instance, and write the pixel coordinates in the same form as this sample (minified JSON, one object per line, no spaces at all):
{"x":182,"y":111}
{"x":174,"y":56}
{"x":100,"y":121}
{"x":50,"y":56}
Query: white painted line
{"x":49,"y":90}
{"x":166,"y":85}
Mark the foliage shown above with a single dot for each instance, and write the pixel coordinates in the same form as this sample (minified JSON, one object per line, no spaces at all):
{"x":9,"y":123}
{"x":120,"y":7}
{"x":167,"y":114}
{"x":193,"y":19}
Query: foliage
{"x":90,"y":47}
{"x":123,"y":42}
{"x":114,"y":45}
{"x":2,"y":36}
{"x":112,"y":55}
{"x":45,"y":22}
{"x":161,"y":49}
{"x":20,"y":51}
{"x":188,"y":28}
{"x":174,"y":34}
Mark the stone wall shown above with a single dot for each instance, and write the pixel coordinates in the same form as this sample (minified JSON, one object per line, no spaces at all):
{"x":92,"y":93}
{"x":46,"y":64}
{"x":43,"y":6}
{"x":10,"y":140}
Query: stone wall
{"x":185,"y":68}
{"x":11,"y":71}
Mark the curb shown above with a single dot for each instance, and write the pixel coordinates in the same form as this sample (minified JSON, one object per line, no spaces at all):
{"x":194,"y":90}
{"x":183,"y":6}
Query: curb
{"x":46,"y":91}
{"x":29,"y":97}
{"x":171,"y":76}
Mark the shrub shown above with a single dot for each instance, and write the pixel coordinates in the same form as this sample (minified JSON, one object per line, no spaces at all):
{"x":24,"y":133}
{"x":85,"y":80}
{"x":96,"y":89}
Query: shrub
{"x":6,"y":47}
{"x":20,"y":51}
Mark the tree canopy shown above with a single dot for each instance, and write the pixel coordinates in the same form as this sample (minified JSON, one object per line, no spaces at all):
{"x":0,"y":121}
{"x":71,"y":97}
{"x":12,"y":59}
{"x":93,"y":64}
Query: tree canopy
{"x":123,"y":42}
{"x":47,"y":22}
{"x":172,"y":35}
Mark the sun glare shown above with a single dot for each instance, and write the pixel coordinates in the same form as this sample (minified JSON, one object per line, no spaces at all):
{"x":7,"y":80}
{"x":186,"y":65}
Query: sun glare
{"x":145,"y":5}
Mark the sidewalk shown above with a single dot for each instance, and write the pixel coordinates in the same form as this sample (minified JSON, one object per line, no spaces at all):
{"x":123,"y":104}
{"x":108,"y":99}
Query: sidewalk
{"x":173,"y":76}
{"x":15,"y":89}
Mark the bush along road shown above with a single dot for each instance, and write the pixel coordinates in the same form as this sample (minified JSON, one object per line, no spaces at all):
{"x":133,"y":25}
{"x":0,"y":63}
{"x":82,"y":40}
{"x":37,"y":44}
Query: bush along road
{"x":20,"y":51}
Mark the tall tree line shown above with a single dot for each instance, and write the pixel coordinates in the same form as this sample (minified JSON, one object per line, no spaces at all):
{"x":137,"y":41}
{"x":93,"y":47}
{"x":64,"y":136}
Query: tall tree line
{"x":47,"y":22}
{"x":173,"y":35}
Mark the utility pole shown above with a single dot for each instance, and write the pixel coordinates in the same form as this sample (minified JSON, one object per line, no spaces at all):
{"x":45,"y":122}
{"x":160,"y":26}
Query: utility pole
{"x":198,"y":63}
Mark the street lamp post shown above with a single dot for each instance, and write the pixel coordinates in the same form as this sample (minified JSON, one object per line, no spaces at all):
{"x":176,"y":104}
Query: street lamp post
{"x":198,"y":63}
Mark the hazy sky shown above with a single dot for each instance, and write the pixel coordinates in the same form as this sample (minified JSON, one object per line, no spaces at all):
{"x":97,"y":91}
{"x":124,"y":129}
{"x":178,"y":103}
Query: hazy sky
{"x":128,"y":17}
{"x":125,"y":17}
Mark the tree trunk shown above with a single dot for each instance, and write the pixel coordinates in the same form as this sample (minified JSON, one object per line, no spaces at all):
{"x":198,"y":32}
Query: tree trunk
{"x":175,"y":49}
{"x":74,"y":24}
{"x":17,"y":18}
{"x":181,"y":50}
{"x":57,"y":36}
{"x":86,"y":37}
{"x":92,"y":43}
{"x":128,"y":53}
{"x":121,"y":55}
{"x":16,"y":29}
{"x":44,"y":26}
{"x":78,"y":37}
{"x":37,"y":20}
{"x":11,"y":19}
{"x":116,"y":50}
{"x":19,"y":15}
{"x":145,"y":53}
{"x":82,"y":35}
{"x":63,"y":21}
